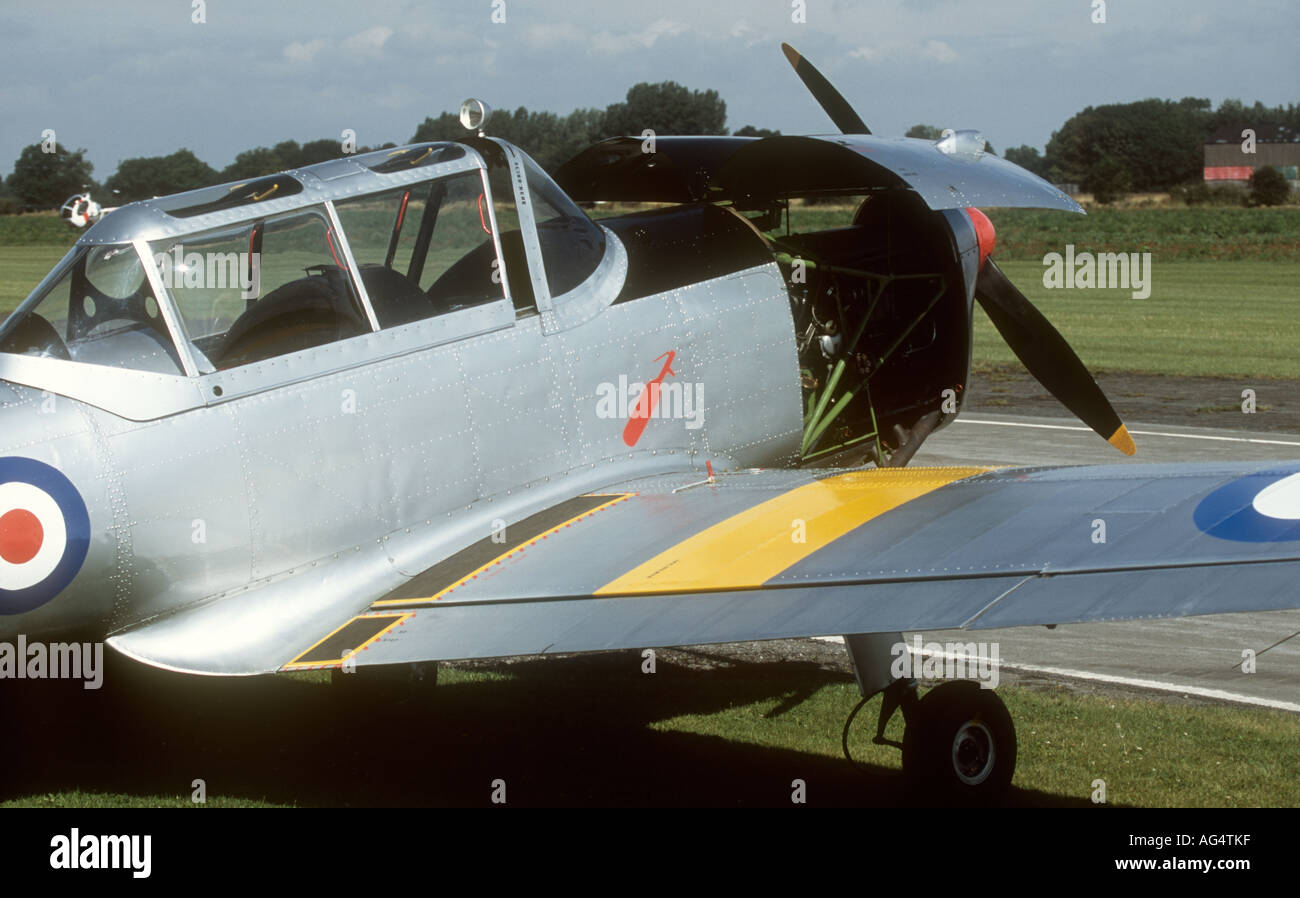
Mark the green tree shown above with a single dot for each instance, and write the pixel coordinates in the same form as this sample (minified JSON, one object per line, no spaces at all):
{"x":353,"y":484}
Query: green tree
{"x":751,"y":131}
{"x":1157,"y":142}
{"x":254,"y":163}
{"x":289,"y":153}
{"x":1235,"y":113}
{"x":548,"y":138}
{"x":322,"y":150}
{"x":143,"y":177}
{"x":924,"y":132}
{"x":1028,"y":158}
{"x":1108,"y":181}
{"x":1269,"y":187}
{"x":666,"y":108}
{"x":446,"y":126}
{"x":47,"y":179}
{"x":551,"y":139}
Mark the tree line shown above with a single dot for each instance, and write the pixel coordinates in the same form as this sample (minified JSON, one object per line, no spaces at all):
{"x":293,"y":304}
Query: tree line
{"x":1145,"y":146}
{"x":1148,"y":145}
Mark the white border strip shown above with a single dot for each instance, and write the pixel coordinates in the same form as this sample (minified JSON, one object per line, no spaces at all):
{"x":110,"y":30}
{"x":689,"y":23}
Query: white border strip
{"x":1141,"y":433}
{"x":1160,"y":685}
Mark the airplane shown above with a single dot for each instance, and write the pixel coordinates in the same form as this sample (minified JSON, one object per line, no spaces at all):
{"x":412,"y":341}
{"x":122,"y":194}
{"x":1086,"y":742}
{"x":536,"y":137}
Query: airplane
{"x":415,"y":405}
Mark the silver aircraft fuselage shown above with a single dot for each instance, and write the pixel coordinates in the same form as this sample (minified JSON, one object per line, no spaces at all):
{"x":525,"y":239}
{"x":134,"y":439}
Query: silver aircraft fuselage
{"x":391,"y":447}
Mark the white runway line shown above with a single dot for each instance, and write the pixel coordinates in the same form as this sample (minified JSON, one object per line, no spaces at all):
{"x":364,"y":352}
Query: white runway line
{"x":1143,"y":433}
{"x":1200,"y":691}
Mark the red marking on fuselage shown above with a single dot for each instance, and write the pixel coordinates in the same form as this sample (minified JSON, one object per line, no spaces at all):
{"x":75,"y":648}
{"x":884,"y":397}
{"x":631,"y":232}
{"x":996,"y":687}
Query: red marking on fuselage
{"x":646,"y":402}
{"x":21,"y":536}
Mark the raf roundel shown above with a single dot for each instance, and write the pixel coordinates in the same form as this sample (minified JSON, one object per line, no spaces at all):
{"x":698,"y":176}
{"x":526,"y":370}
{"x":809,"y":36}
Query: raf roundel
{"x":1258,"y":508}
{"x":44,"y":534}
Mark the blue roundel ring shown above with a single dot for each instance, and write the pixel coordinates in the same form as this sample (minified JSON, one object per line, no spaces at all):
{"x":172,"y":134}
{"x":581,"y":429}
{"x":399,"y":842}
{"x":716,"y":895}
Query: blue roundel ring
{"x":76,"y":523}
{"x":1229,"y":512}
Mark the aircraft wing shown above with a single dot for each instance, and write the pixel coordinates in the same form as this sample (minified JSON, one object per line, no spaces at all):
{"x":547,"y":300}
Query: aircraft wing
{"x":680,"y":559}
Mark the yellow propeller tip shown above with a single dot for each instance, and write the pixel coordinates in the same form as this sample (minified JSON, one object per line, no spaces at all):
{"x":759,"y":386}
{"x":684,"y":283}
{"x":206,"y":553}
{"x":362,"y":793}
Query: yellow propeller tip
{"x":1121,"y":440}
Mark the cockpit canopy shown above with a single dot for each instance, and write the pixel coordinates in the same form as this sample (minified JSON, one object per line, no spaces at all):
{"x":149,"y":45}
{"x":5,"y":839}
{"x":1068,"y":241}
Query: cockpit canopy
{"x":230,"y":276}
{"x":225,"y":278}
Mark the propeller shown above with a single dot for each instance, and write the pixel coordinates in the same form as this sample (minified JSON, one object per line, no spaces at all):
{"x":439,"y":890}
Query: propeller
{"x":1039,"y":346}
{"x":838,"y":108}
{"x":1044,"y":352}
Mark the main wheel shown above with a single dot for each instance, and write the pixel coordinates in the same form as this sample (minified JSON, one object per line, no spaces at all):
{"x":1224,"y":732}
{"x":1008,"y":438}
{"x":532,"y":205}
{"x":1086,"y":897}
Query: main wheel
{"x":960,"y":745}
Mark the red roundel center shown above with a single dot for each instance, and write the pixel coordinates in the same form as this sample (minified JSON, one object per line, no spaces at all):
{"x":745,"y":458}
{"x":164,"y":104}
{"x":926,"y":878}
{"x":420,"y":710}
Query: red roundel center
{"x":21,"y":536}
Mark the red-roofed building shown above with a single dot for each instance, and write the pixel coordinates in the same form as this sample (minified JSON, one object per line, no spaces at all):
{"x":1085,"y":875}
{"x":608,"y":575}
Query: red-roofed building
{"x":1226,"y":159}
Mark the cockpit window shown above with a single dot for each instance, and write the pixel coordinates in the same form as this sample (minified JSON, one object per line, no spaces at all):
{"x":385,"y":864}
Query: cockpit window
{"x":424,"y":249}
{"x":261,"y":289}
{"x":102,"y":311}
{"x":572,"y":245}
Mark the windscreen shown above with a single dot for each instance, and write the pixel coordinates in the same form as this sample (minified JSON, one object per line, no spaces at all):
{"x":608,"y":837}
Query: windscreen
{"x":101,"y":311}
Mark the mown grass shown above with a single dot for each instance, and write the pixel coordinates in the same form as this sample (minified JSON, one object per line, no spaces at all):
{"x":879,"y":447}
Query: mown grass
{"x":1224,"y":319}
{"x":1174,"y":233}
{"x":1227,"y":318}
{"x":1210,"y":233}
{"x":38,"y":228}
{"x":1150,"y":753}
{"x":21,"y":269}
{"x":597,"y":731}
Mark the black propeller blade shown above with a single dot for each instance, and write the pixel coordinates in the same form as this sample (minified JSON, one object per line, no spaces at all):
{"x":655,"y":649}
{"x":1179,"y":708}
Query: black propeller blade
{"x":836,"y":106}
{"x":1047,"y":356}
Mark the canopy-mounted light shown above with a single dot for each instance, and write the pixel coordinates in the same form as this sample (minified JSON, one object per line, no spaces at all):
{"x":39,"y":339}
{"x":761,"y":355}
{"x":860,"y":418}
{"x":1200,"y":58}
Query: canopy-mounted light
{"x":473,"y":113}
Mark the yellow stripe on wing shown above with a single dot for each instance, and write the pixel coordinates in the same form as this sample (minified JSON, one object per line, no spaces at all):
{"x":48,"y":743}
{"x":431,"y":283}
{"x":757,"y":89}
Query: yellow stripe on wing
{"x":752,"y":547}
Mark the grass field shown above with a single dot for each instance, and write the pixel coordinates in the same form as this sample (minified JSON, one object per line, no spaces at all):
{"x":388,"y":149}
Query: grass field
{"x":596,"y":731}
{"x":1226,"y":318}
{"x":21,"y":269}
{"x":1169,"y":233}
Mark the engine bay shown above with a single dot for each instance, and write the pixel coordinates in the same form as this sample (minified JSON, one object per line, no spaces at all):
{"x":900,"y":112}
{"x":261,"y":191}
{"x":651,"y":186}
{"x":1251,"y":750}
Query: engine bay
{"x":883,"y":329}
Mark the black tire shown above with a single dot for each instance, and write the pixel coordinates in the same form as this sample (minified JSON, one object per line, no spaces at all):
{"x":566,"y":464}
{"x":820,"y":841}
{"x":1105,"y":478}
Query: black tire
{"x":960,"y":745}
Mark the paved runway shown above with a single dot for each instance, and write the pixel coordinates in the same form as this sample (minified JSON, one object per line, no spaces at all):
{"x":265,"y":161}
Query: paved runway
{"x":1198,"y":656}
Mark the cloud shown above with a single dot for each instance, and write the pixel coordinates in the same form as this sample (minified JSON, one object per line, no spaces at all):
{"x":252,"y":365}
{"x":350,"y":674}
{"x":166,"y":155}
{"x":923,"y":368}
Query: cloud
{"x":939,"y":51}
{"x":931,"y":50}
{"x":548,"y":35}
{"x":371,"y":40}
{"x":609,"y":42}
{"x":303,"y":52}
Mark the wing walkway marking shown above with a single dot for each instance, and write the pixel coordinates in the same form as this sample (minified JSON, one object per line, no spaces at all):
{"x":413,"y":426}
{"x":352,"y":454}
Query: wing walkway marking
{"x":354,"y":636}
{"x":466,"y":565}
{"x":752,"y":547}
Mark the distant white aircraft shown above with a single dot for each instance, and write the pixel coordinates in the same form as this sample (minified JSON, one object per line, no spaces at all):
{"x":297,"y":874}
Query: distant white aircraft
{"x":80,"y":210}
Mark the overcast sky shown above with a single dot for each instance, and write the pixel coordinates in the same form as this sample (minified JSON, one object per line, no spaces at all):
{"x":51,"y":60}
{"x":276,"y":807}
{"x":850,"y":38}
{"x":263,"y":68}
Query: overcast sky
{"x":136,"y":78}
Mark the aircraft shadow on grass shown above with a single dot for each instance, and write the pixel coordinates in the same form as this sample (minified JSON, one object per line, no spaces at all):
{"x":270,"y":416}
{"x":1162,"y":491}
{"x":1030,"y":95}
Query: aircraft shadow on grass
{"x":575,"y":731}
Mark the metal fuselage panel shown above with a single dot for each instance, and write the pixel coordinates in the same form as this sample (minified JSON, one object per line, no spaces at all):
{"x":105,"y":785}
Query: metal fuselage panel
{"x":210,"y":501}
